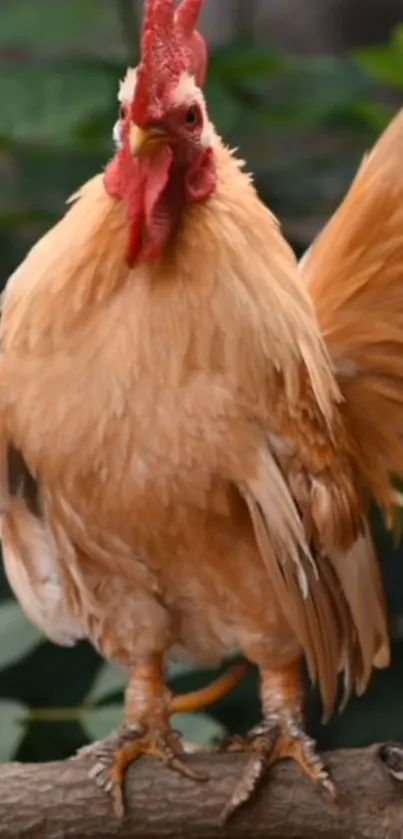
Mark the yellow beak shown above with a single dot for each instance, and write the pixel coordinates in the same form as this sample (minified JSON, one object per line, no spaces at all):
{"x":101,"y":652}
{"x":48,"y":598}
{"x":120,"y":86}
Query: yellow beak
{"x":138,"y":139}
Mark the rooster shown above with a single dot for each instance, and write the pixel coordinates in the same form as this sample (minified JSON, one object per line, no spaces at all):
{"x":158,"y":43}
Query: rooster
{"x":193,"y":430}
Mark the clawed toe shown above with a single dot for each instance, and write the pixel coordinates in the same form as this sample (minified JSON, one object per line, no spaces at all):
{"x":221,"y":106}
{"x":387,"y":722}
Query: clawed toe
{"x":111,"y":758}
{"x":276,"y":738}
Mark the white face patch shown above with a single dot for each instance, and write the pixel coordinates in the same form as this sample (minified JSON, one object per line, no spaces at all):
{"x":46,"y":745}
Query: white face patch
{"x":117,"y":135}
{"x":126,"y":93}
{"x":188,"y":93}
{"x":127,"y":86}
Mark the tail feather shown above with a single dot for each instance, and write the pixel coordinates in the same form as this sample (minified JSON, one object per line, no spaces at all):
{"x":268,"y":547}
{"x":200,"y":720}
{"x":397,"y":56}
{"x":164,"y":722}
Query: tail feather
{"x":354,"y":271}
{"x":360,"y":579}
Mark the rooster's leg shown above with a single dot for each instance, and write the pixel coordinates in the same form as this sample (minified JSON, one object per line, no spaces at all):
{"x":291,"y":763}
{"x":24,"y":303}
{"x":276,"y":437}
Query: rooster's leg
{"x":280,"y":735}
{"x":145,"y":731}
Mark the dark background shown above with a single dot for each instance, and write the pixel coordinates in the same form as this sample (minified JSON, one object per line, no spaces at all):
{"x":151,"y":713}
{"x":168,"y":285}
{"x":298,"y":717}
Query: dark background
{"x":303,"y":88}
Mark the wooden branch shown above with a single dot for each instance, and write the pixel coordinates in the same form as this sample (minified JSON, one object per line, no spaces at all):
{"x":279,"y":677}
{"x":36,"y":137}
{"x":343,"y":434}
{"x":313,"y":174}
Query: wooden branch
{"x":55,"y":800}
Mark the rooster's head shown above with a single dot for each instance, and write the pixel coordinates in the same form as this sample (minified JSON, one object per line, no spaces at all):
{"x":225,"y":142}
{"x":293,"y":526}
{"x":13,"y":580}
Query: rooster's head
{"x":165,"y":158}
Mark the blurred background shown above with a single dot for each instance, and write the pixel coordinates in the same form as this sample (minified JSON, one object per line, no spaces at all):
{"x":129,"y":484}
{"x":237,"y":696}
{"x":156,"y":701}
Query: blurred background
{"x":303,"y":88}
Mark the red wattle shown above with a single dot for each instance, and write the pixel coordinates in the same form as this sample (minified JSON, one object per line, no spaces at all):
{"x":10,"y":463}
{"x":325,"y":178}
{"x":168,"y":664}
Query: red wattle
{"x":143,"y":183}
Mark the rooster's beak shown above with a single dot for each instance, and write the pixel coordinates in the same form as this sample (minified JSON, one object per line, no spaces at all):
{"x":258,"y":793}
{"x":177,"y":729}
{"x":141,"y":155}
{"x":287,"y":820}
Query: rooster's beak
{"x":139,"y":139}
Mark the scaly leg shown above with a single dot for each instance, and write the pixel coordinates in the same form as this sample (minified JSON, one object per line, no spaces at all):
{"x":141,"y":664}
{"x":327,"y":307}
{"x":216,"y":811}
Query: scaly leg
{"x":146,"y":729}
{"x":280,"y":735}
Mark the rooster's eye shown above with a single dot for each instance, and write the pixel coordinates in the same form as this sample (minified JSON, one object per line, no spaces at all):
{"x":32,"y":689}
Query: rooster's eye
{"x":122,"y":112}
{"x":192,"y":116}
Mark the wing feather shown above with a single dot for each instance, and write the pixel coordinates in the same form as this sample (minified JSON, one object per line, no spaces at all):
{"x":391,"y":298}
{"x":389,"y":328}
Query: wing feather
{"x":307,"y":588}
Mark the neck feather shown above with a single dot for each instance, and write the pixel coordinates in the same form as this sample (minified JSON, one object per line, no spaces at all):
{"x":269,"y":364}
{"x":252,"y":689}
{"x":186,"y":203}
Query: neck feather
{"x":76,"y":266}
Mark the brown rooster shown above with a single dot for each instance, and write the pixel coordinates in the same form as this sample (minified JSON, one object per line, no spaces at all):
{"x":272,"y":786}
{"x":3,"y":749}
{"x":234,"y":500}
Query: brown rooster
{"x":191,"y":435}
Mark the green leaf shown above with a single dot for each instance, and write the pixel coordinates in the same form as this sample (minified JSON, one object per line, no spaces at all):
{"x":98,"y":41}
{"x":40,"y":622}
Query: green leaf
{"x":376,"y":115}
{"x":199,"y":728}
{"x":383,"y":63}
{"x":99,"y":722}
{"x":46,"y":181}
{"x":397,"y":37}
{"x":59,"y":98}
{"x":224,"y":110}
{"x":17,"y":635}
{"x":384,"y":67}
{"x":109,"y":679}
{"x":241,"y":62}
{"x":11,"y":728}
{"x":319,"y":87}
{"x":90,"y":26}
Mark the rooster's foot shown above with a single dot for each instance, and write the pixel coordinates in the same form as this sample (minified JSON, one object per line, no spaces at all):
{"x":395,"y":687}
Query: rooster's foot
{"x":111,"y":758}
{"x":279,"y":736}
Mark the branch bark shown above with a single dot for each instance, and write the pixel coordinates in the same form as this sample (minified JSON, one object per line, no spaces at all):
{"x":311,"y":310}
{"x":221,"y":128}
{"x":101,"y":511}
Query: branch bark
{"x":54,"y":800}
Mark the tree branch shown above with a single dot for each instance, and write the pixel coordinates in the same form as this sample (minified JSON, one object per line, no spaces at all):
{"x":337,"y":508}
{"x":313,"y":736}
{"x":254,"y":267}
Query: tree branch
{"x":47,"y":801}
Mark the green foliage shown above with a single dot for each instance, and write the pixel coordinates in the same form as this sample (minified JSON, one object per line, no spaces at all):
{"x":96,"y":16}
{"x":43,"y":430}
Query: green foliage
{"x":54,"y":108}
{"x":11,"y":715}
{"x":17,"y":635}
{"x":302,"y":123}
{"x":384,"y":63}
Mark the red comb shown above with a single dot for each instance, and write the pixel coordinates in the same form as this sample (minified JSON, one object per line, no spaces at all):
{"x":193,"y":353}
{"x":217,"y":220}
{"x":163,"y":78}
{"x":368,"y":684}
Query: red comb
{"x":170,"y":45}
{"x":186,"y":18}
{"x":187,"y":15}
